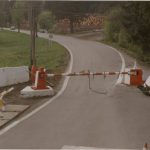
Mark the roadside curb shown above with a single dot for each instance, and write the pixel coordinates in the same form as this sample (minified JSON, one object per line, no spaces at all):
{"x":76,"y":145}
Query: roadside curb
{"x":11,"y":113}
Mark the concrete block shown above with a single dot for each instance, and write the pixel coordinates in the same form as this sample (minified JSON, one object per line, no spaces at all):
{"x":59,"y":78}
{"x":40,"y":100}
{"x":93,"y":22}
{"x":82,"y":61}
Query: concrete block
{"x":126,"y":79}
{"x":2,"y":122}
{"x":15,"y":108}
{"x":13,"y":75}
{"x":29,"y":92}
{"x":8,"y":115}
{"x":147,"y":82}
{"x":11,"y":111}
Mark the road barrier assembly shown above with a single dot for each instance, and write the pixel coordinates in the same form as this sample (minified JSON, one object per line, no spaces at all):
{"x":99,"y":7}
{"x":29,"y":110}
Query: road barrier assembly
{"x":132,"y":77}
{"x":39,"y":87}
{"x":33,"y":72}
{"x":145,"y":147}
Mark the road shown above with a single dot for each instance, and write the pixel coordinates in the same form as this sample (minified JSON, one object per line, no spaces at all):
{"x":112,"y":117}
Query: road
{"x":108,"y":116}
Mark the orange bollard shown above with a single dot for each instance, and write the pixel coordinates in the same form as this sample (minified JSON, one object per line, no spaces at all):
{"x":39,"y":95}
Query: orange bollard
{"x":145,"y":147}
{"x":137,"y":77}
{"x":40,"y":80}
{"x":33,"y":72}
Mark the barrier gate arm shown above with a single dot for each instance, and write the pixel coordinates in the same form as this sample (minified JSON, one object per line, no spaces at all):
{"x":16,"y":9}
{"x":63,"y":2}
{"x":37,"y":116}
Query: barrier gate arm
{"x":90,"y":73}
{"x":38,"y":78}
{"x":2,"y":102}
{"x":6,"y":92}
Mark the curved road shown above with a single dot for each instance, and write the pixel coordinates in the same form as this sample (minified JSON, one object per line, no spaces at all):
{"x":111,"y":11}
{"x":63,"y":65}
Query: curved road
{"x":108,"y":116}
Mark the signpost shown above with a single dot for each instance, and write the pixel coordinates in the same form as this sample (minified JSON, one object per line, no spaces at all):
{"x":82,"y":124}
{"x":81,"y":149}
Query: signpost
{"x":50,"y":39}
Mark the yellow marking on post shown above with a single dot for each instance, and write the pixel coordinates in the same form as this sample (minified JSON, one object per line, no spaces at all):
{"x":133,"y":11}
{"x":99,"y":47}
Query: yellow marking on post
{"x":2,"y":104}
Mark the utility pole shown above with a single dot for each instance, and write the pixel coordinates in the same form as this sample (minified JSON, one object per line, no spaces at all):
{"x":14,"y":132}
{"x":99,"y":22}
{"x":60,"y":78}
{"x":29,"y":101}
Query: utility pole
{"x":32,"y":31}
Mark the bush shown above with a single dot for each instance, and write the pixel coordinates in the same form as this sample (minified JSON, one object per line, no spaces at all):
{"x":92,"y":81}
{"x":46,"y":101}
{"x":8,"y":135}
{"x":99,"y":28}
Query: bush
{"x":46,"y":20}
{"x":111,"y":32}
{"x":123,"y":39}
{"x":128,"y":27}
{"x":108,"y":30}
{"x":112,"y":26}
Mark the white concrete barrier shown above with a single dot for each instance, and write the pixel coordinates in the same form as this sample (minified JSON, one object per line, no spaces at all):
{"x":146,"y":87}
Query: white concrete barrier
{"x":126,"y":78}
{"x":147,"y":82}
{"x":13,"y":75}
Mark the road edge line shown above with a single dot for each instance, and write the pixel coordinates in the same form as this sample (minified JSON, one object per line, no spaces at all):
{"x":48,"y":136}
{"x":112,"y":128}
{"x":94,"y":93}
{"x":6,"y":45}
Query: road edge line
{"x":120,"y":78}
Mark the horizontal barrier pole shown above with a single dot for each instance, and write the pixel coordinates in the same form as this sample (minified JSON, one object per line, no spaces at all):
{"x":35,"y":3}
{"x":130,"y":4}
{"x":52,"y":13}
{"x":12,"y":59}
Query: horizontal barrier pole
{"x":90,"y":73}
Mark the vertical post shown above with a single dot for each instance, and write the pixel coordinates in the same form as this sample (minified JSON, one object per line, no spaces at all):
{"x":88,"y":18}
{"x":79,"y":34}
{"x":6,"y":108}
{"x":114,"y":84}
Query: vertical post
{"x":34,"y":36}
{"x":50,"y":39}
{"x":32,"y":31}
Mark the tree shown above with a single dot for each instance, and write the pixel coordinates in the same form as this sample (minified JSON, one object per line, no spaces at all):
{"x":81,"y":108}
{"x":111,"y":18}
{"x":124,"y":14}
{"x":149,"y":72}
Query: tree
{"x":34,"y":8}
{"x":136,"y":22}
{"x":46,"y":20}
{"x":74,"y":11}
{"x":38,"y":7}
{"x":18,"y":12}
{"x":112,"y":25}
{"x":5,"y":14}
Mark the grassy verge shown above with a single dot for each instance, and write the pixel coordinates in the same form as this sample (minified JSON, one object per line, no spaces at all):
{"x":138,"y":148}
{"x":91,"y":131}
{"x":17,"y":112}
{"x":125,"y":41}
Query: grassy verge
{"x":15,"y":51}
{"x":133,"y":52}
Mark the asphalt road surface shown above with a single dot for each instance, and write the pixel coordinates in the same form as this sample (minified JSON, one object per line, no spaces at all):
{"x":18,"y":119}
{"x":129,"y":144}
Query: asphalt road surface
{"x":107,"y":116}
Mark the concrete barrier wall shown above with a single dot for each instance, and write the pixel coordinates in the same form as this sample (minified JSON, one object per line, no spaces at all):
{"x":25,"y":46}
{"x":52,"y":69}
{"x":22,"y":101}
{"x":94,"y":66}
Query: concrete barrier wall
{"x":13,"y":75}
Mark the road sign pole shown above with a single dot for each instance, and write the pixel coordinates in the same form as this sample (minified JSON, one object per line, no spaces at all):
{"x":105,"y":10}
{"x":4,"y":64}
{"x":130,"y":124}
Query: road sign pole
{"x":50,"y":39}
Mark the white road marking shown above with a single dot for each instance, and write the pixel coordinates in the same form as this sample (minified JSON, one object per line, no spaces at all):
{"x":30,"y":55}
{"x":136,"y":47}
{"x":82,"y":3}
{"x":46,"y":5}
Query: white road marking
{"x":135,"y":65}
{"x":12,"y":125}
{"x":119,"y":80}
{"x":82,"y":147}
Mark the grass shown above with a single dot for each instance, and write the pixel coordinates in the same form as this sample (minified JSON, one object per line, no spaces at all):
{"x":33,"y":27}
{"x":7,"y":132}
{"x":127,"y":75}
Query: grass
{"x":132,"y":51}
{"x":15,"y":51}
